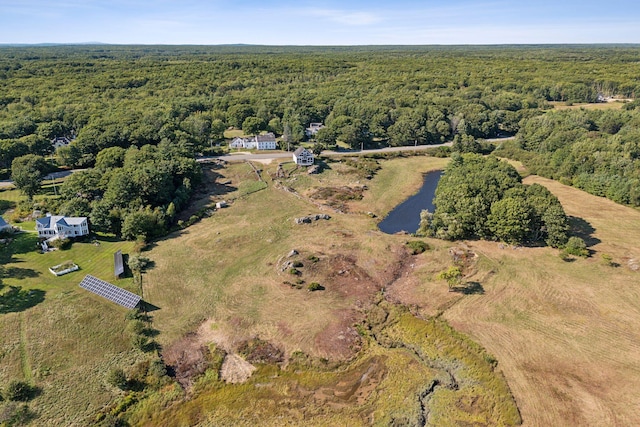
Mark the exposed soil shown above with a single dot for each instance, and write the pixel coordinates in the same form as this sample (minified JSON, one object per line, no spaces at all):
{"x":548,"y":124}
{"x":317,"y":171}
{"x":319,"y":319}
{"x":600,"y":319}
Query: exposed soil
{"x":259,"y":351}
{"x":186,"y":359}
{"x":349,"y":279}
{"x":340,"y":340}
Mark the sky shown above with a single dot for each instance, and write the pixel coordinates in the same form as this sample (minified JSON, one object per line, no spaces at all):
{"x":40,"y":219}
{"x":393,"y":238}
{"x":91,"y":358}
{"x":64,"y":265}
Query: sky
{"x":302,"y":22}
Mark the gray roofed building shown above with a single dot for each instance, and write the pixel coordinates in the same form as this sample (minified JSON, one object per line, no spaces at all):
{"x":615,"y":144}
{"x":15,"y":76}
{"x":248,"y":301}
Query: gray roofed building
{"x":303,"y":157}
{"x":54,"y":227}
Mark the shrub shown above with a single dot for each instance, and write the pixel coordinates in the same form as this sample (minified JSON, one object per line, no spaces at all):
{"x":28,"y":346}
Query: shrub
{"x":576,"y":246}
{"x":294,"y":271}
{"x":313,"y":258}
{"x":139,"y":341}
{"x":298,"y":264}
{"x":19,"y":391}
{"x":136,"y":326}
{"x":138,"y":263}
{"x":315,"y":286}
{"x":62,"y":244}
{"x":140,"y":245}
{"x":418,"y":246}
{"x":117,"y":378}
{"x":608,"y":260}
{"x":133,"y":314}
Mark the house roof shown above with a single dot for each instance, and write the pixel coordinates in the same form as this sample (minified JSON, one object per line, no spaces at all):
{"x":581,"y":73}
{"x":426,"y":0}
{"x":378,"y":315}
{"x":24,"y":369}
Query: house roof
{"x":48,"y":222}
{"x":3,"y":223}
{"x":301,"y":150}
{"x":267,"y":137}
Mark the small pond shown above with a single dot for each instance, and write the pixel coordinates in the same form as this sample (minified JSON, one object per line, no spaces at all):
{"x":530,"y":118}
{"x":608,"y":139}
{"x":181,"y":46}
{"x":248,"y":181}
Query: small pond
{"x":406,"y":216}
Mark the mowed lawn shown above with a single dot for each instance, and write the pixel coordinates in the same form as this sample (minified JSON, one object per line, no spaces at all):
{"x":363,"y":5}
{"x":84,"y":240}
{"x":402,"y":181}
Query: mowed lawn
{"x":566,"y":334}
{"x":58,"y":336}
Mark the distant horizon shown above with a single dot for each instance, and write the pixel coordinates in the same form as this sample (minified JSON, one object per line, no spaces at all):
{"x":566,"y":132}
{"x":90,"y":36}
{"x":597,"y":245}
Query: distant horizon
{"x":307,"y":23}
{"x":46,"y":44}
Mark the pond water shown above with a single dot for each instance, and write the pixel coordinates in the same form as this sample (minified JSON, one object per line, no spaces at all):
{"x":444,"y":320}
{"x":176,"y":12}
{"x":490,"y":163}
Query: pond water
{"x":406,"y":216}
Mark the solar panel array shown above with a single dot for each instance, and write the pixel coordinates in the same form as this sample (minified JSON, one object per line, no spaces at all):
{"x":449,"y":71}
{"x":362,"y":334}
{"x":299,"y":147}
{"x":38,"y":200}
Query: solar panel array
{"x":118,"y":265}
{"x":111,"y":292}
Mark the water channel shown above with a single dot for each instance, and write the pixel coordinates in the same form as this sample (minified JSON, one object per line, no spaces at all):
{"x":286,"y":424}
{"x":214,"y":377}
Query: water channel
{"x":406,"y":216}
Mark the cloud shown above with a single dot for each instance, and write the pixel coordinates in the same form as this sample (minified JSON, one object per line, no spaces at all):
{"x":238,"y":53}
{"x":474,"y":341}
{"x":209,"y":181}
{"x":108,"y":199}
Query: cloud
{"x":345,"y":17}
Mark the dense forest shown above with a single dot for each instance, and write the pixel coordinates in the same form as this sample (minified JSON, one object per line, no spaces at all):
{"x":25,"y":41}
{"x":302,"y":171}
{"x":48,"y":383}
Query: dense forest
{"x":185,"y":97}
{"x":120,"y":96}
{"x":596,"y":151}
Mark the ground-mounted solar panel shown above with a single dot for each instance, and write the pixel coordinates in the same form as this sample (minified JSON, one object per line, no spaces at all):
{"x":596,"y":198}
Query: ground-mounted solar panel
{"x":118,"y":264}
{"x":111,"y":292}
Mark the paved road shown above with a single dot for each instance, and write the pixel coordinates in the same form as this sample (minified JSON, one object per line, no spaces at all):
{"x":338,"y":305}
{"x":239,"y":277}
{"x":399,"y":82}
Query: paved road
{"x":280,"y":155}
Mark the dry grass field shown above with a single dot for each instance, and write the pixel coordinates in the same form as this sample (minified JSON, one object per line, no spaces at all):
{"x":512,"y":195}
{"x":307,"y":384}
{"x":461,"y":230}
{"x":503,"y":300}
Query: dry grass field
{"x":224,"y":278}
{"x":228,"y":269}
{"x":565,"y":333}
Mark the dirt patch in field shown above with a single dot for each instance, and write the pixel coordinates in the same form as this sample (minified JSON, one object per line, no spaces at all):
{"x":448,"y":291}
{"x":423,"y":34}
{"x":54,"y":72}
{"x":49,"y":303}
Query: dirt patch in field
{"x":256,"y":350}
{"x":340,"y":340}
{"x":349,"y":279}
{"x":186,"y":359}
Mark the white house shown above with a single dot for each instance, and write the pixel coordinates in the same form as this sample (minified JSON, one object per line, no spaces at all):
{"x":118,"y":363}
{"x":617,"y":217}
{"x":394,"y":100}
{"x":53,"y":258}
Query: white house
{"x":303,"y":157}
{"x":258,"y":142}
{"x":266,"y":141}
{"x":54,"y":227}
{"x":313,"y":129}
{"x":238,"y":142}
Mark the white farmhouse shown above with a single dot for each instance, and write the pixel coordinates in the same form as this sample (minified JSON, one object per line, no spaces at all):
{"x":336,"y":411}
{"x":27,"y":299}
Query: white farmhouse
{"x":266,"y":142}
{"x":303,"y":157}
{"x":258,"y":142}
{"x":53,"y":227}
